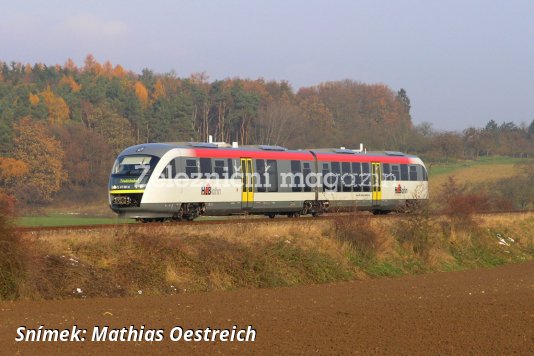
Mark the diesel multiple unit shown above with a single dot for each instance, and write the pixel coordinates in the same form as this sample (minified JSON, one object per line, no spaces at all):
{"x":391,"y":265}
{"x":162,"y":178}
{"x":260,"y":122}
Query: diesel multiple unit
{"x":160,"y":181}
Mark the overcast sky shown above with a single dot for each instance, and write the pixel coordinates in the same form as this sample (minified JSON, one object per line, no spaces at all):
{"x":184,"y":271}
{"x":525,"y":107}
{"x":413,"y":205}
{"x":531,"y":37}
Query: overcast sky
{"x":462,"y":63}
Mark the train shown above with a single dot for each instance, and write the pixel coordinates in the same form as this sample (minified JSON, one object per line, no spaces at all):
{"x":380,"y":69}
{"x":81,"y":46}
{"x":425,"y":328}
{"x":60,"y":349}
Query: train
{"x":182,"y":181}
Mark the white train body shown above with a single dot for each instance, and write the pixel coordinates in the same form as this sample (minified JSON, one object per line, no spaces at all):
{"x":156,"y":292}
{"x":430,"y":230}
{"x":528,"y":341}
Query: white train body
{"x":162,"y":181}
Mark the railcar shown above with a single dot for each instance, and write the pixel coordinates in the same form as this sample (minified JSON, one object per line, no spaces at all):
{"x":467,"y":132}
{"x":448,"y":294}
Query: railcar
{"x":161,"y":181}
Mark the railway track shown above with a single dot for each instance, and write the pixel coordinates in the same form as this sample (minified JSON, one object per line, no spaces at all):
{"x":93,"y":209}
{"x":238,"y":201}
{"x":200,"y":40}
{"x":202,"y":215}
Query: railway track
{"x":233,"y":220}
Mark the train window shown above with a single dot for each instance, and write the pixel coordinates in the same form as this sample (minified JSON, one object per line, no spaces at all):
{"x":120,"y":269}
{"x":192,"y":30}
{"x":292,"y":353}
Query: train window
{"x":219,"y":168}
{"x":336,"y":169}
{"x":231,"y":168}
{"x":134,"y":166}
{"x":386,"y":171}
{"x":395,"y":171}
{"x":191,"y":167}
{"x":422,"y":173}
{"x":272,"y":169}
{"x":169,"y":172}
{"x":306,"y":173}
{"x":260,"y":170}
{"x":346,"y":176}
{"x":413,"y":172}
{"x":328,"y":180}
{"x":297,"y":173}
{"x":205,"y":167}
{"x":356,"y":172}
{"x":325,"y":170}
{"x":366,"y":177}
{"x":404,"y":171}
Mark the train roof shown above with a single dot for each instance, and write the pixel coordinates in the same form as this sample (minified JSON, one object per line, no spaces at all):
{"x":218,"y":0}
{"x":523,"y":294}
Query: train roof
{"x":350,"y":151}
{"x":159,"y":149}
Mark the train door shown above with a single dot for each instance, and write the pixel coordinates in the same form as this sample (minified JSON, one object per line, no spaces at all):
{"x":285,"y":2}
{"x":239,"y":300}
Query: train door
{"x":247,"y":194}
{"x":376,"y":183}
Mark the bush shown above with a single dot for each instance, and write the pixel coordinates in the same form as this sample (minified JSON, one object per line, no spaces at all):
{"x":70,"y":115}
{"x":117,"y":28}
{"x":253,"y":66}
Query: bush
{"x":356,"y":230}
{"x":459,"y":204}
{"x":11,"y":259}
{"x":417,"y":229}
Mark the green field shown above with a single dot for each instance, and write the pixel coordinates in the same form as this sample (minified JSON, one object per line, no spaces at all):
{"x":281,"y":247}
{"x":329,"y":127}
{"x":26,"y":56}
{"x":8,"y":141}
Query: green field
{"x":72,"y":220}
{"x":67,"y":220}
{"x":449,"y":168}
{"x":474,"y":172}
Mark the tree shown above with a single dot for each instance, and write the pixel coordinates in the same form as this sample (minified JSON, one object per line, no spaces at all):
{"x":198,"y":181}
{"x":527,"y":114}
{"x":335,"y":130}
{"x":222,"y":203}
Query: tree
{"x":277,"y":123}
{"x":11,"y":170}
{"x":402,"y":96}
{"x":472,"y":142}
{"x":316,"y":124}
{"x":58,"y":110}
{"x":34,"y":99}
{"x":449,"y":144}
{"x":91,"y":65}
{"x":89,"y":156}
{"x":491,"y":126}
{"x":71,"y":83}
{"x":44,"y":157}
{"x":115,"y":129}
{"x":159,"y":90}
{"x":70,"y":66}
{"x":141,"y":93}
{"x":531,"y":129}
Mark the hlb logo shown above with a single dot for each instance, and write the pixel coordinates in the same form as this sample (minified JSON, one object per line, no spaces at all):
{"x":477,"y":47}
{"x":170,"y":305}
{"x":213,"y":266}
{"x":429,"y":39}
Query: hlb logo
{"x":400,"y":190}
{"x":206,"y":190}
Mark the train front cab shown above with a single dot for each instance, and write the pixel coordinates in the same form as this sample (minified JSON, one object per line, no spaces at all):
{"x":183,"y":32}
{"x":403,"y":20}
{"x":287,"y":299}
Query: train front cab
{"x":128,"y":180}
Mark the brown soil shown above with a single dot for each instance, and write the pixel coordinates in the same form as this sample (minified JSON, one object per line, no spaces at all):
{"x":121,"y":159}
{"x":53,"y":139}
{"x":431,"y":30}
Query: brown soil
{"x":487,"y":311}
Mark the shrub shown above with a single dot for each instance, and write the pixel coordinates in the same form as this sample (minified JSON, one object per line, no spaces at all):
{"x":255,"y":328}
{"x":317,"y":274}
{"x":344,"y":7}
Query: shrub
{"x":459,"y":204}
{"x":11,"y":259}
{"x":417,"y":229}
{"x":356,"y":230}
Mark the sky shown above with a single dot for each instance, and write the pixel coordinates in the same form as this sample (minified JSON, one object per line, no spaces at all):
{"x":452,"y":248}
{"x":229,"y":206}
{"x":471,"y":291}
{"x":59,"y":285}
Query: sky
{"x":462,"y":63}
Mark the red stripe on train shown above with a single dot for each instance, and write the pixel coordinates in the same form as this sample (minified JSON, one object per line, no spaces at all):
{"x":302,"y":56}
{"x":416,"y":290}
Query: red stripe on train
{"x":279,"y":155}
{"x":328,"y":157}
{"x":302,"y":156}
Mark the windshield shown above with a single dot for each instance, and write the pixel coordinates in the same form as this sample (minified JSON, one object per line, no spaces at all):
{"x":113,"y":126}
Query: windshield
{"x":134,"y":166}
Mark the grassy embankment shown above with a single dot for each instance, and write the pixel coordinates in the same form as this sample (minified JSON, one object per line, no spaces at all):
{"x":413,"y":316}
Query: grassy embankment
{"x":177,"y":259}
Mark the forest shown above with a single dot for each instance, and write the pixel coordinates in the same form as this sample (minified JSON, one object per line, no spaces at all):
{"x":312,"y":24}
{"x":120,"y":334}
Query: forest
{"x":62,"y":126}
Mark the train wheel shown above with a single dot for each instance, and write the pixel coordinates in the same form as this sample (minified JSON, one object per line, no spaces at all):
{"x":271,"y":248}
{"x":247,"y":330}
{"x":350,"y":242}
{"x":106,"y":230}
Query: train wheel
{"x":271,"y":215}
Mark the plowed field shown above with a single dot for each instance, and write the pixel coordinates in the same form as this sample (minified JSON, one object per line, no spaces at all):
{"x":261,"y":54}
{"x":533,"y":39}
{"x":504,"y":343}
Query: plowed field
{"x":488,"y":311}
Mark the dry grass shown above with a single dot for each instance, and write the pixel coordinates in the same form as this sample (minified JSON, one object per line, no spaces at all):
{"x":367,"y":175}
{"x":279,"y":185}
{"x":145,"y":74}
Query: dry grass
{"x":518,"y":227}
{"x":476,"y":174}
{"x":11,"y":259}
{"x":120,"y":261}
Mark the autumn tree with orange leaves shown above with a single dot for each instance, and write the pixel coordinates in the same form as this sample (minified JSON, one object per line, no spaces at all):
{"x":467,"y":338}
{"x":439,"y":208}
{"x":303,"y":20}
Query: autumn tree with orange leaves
{"x":58,"y":111}
{"x":11,"y":172}
{"x":142,"y":93}
{"x":43,"y":156}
